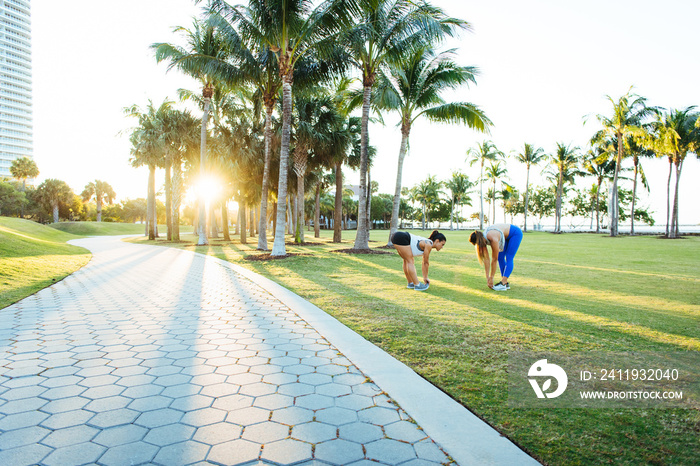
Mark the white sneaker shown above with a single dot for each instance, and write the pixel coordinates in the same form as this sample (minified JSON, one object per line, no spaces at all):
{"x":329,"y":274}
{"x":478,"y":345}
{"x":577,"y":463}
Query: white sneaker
{"x":421,"y":287}
{"x":501,"y":287}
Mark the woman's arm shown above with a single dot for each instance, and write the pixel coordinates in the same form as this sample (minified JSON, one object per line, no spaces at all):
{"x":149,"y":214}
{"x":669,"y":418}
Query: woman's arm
{"x":494,"y":262}
{"x":426,"y":261}
{"x":487,"y":267}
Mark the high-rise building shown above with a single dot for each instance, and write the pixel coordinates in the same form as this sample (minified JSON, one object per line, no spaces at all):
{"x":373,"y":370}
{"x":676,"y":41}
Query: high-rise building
{"x":15,"y":83}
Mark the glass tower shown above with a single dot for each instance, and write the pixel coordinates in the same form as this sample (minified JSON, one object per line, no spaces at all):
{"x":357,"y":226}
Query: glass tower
{"x":15,"y":83}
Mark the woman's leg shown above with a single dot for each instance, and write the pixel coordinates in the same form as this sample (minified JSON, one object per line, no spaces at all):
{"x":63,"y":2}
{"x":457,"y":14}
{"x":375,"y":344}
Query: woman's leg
{"x":409,"y":268}
{"x":502,"y":259}
{"x":406,"y":272}
{"x":512,"y":244}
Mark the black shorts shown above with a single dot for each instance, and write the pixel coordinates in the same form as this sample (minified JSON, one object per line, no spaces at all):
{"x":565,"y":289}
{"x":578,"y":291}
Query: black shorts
{"x":401,"y":238}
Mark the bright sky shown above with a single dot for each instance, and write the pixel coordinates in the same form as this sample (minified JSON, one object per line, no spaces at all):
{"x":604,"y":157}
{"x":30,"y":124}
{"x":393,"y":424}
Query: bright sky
{"x":545,"y":65}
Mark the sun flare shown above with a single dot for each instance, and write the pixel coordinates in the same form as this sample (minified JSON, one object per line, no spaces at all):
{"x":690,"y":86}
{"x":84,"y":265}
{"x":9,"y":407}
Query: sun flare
{"x":207,"y":187}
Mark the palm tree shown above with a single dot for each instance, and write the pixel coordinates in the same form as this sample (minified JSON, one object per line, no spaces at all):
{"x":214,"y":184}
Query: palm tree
{"x":255,"y":65}
{"x":385,"y":29}
{"x":292,"y":30}
{"x":102,"y":192}
{"x":483,"y":152}
{"x":173,"y":136}
{"x":413,"y":88}
{"x":427,"y":192}
{"x":23,"y":168}
{"x":200,"y":59}
{"x":600,"y":164}
{"x":185,"y":143}
{"x":674,"y":133}
{"x":52,"y":193}
{"x":628,"y":113}
{"x":637,"y":150}
{"x":346,"y":149}
{"x":318,"y":127}
{"x":147,"y":149}
{"x":459,"y":186}
{"x":509,"y":195}
{"x":530,"y":156}
{"x":494,"y":173}
{"x":565,"y":159}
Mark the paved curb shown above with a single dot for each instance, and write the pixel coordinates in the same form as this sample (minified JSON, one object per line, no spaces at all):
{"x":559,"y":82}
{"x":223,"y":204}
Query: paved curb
{"x":465,"y":437}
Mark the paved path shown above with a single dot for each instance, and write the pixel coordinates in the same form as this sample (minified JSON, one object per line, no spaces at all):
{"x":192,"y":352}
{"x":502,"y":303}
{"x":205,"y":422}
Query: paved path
{"x":162,"y":356}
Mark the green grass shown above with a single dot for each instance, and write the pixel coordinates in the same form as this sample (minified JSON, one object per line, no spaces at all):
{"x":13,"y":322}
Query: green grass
{"x":100,"y":228}
{"x":34,"y":256}
{"x":573,"y":292}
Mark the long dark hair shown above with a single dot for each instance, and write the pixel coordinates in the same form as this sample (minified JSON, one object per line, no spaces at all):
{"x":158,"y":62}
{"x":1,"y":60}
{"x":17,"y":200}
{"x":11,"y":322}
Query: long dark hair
{"x":478,"y":239}
{"x":437,"y":236}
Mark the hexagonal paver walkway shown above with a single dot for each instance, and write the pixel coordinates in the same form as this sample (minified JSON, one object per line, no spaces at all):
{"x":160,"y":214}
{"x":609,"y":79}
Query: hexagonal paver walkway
{"x":162,"y":356}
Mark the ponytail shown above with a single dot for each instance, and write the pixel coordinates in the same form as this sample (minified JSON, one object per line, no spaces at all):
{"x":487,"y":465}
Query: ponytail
{"x":478,"y":239}
{"x":437,"y":236}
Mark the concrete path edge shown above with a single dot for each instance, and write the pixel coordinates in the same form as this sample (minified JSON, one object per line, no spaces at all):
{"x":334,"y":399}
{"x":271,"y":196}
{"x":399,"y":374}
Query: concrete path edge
{"x":465,"y":437}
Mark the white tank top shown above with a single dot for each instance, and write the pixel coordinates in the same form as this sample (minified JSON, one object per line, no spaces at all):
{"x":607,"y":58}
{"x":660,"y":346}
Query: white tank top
{"x":501,"y":240}
{"x":414,"y":244}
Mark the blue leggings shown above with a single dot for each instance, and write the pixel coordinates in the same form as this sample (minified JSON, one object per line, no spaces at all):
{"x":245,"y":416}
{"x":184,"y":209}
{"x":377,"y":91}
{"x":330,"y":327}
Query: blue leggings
{"x":505,"y":257}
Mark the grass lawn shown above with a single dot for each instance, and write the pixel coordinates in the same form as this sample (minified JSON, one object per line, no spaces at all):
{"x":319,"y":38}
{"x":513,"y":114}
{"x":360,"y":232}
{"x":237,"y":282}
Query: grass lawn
{"x":34,"y":256}
{"x":100,"y":228}
{"x":572,"y":292}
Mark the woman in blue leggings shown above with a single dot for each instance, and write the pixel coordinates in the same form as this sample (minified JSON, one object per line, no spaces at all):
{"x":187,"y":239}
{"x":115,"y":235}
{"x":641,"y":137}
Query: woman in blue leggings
{"x":504,"y":240}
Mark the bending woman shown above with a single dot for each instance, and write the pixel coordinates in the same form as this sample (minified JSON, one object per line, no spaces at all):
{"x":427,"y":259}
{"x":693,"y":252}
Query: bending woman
{"x":409,"y":246}
{"x":504,"y":240}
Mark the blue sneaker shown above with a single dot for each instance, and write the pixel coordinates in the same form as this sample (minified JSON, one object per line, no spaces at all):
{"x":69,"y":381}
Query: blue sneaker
{"x":410,"y":286}
{"x":421,"y":287}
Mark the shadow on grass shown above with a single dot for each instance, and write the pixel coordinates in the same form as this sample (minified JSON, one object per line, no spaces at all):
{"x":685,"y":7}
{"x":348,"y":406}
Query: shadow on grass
{"x":571,"y":317}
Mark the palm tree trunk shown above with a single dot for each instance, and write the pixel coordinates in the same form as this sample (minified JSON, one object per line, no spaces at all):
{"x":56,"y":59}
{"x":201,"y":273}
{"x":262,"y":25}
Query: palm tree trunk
{"x":251,"y":227}
{"x":338,"y":212}
{"x":481,"y":195}
{"x":291,"y":214}
{"x":262,"y":237}
{"x":317,"y":212}
{"x":168,"y":199}
{"x":278,"y":248}
{"x":242,"y":209}
{"x":557,"y":211}
{"x":151,"y":202}
{"x":394,"y":224}
{"x":202,"y":227}
{"x":98,"y":205}
{"x":369,"y":202}
{"x":634,"y":194}
{"x":237,"y":230}
{"x":615,"y":200}
{"x":54,"y":205}
{"x":668,"y":195}
{"x":452,"y":211}
{"x":527,"y":195}
{"x":274,"y":216}
{"x":224,"y":220}
{"x":362,"y":236}
{"x":177,"y":197}
{"x":212,"y":221}
{"x":493,"y":219}
{"x":299,"y":236}
{"x":597,"y":207}
{"x":675,"y":228}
